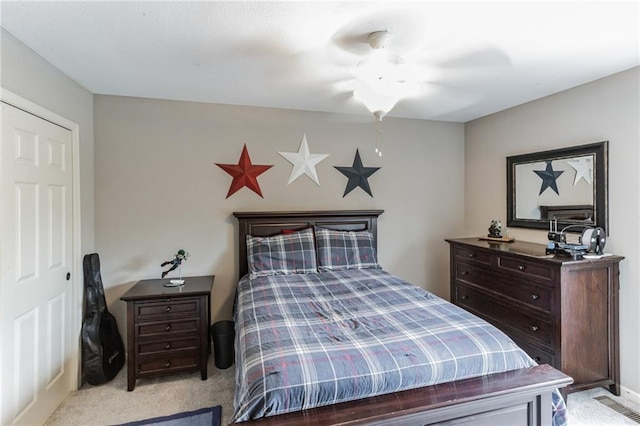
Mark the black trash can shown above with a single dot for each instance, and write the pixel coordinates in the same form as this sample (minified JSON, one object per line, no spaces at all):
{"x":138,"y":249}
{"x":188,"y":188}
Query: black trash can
{"x":223,"y":334}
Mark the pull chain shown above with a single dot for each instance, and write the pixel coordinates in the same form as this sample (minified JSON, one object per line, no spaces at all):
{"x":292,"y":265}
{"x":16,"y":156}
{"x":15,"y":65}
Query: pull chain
{"x":378,"y":130}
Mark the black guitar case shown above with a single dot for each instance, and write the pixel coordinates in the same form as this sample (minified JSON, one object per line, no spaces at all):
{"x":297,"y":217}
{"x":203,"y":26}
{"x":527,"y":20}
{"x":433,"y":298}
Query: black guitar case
{"x":103,"y":352}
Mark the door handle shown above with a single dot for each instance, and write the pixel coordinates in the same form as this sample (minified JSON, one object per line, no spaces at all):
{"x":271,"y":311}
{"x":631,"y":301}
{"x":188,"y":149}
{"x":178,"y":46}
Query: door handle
{"x":68,"y":276}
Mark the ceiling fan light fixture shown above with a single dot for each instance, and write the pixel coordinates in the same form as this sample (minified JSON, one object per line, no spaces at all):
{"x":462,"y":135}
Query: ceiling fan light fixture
{"x":381,"y":68}
{"x":377,"y":102}
{"x":381,"y":78}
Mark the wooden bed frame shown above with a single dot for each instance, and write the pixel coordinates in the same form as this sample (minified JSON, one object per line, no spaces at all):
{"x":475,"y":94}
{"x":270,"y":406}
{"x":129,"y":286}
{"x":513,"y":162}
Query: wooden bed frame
{"x":518,"y":397}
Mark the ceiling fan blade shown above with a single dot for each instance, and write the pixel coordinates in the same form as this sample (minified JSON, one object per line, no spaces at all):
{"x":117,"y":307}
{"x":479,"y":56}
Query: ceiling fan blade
{"x":458,"y":53}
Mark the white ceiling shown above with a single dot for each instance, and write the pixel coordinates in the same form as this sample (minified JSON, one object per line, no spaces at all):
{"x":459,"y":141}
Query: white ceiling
{"x":473,"y":57}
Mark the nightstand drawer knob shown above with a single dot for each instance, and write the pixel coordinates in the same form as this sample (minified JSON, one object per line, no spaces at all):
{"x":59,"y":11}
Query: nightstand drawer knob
{"x":535,"y":296}
{"x":534,"y":328}
{"x":168,"y":327}
{"x":168,"y":364}
{"x":522,"y":267}
{"x":168,"y":309}
{"x":168,"y":346}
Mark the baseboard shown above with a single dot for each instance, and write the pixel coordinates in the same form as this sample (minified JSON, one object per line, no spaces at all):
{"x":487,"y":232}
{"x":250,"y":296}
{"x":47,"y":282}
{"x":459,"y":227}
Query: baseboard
{"x":632,"y":396}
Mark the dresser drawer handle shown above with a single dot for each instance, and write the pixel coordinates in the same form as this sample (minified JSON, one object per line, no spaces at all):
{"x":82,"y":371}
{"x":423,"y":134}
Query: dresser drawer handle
{"x":168,"y":309}
{"x":464,"y":273}
{"x":464,"y":297}
{"x":168,"y":327}
{"x":534,"y":328}
{"x":472,"y":255}
{"x":535,"y":297}
{"x":168,"y":346}
{"x":168,"y":364}
{"x":522,"y":267}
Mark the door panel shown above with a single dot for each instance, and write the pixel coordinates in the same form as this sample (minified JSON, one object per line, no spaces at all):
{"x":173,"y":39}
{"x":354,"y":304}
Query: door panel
{"x":36,"y":344}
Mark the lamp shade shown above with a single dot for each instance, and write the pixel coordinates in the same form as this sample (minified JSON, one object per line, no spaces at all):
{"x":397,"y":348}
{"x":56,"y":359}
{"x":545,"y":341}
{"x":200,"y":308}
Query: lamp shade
{"x":376,"y":101}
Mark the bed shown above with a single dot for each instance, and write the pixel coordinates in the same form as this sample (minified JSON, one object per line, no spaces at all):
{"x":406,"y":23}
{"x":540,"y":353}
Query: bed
{"x":317,"y":344}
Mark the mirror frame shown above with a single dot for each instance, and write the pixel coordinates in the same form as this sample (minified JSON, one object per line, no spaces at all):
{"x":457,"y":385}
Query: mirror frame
{"x":600,"y":184}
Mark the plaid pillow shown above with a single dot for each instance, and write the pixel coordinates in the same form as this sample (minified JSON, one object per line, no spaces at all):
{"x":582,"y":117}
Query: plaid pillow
{"x":338,"y":250}
{"x":292,"y":253}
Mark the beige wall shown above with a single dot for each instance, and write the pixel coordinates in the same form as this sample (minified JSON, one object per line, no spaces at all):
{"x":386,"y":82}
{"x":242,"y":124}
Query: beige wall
{"x":29,"y":76}
{"x":607,"y":109}
{"x":158,"y":188}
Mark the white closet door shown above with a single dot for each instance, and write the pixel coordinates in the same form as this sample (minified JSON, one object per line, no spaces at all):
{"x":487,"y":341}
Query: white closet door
{"x":36,"y":343}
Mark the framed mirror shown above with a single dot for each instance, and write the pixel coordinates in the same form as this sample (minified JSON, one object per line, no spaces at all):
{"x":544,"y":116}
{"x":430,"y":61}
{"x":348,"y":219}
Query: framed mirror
{"x":567,"y":184}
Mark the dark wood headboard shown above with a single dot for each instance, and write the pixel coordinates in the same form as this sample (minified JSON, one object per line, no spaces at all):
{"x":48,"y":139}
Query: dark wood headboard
{"x":264,"y":224}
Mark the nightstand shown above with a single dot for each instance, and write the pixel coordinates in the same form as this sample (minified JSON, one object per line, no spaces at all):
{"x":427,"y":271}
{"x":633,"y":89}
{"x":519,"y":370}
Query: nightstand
{"x":168,"y":328}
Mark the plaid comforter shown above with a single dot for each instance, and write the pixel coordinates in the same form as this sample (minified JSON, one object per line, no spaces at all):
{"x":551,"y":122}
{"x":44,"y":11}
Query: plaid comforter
{"x":310,"y":340}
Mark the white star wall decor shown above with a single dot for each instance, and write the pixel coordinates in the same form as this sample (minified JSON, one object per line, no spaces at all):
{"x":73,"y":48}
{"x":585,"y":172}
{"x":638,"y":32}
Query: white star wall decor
{"x":584,"y":169}
{"x":303,"y":162}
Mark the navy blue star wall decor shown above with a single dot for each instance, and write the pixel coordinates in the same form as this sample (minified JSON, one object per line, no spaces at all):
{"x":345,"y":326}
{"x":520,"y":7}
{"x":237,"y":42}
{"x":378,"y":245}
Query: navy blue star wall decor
{"x":357,"y":175}
{"x":549,"y":177}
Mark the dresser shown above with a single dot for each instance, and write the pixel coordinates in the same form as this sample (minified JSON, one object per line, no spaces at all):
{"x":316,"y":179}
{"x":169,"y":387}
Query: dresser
{"x":562,"y":312}
{"x":167,"y":328}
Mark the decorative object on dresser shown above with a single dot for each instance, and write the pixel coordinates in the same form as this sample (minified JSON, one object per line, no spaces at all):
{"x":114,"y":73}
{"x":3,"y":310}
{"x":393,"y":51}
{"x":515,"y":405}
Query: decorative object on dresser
{"x":562,"y":312}
{"x":167,"y":328}
{"x":495,"y":233}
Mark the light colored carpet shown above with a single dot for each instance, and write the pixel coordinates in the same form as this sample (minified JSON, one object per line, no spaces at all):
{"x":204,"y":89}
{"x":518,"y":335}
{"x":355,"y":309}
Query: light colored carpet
{"x":586,"y":411}
{"x":111,"y":403}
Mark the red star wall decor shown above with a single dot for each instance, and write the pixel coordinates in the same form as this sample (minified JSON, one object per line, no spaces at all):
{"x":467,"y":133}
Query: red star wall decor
{"x":244,"y":173}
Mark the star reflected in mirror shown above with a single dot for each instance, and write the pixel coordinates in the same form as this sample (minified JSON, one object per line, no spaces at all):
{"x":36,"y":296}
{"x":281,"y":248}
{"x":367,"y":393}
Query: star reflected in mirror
{"x":549,"y":177}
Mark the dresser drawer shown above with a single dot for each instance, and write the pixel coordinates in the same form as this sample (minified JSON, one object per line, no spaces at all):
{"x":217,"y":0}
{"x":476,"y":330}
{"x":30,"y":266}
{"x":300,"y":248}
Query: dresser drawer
{"x":472,"y":255}
{"x":169,"y":308}
{"x":168,"y":345}
{"x":539,"y":355}
{"x":503,"y":314}
{"x":164,"y":329}
{"x":524,"y":268}
{"x":521,"y":290}
{"x":177,"y":361}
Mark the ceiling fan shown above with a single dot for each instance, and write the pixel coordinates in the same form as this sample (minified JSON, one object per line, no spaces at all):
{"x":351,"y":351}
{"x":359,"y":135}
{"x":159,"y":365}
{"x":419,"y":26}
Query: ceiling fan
{"x":398,"y":56}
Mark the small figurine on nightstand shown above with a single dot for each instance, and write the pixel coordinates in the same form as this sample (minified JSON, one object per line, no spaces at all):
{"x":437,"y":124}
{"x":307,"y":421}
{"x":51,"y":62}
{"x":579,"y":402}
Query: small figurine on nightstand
{"x":495,"y":230}
{"x":176,"y":262}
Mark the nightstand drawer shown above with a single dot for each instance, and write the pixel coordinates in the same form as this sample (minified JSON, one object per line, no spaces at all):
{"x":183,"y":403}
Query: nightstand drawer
{"x":168,"y":345}
{"x":153,"y":365}
{"x":504,"y":314}
{"x":161,"y":329}
{"x":170,"y":308}
{"x":521,"y":290}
